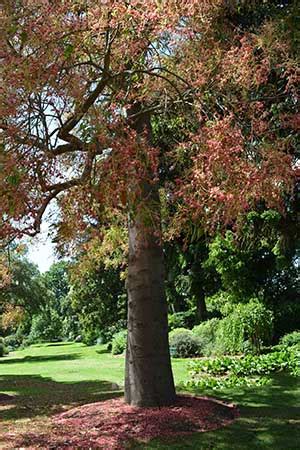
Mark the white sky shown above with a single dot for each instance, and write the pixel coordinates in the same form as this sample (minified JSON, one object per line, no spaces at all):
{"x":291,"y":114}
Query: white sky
{"x":41,"y":250}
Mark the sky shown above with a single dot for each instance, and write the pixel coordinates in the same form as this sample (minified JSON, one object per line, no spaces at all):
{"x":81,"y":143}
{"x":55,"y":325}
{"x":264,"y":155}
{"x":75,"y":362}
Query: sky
{"x":41,"y":250}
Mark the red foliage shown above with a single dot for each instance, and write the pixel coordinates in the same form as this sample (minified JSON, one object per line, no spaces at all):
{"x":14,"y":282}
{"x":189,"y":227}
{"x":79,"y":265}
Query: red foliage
{"x":113,"y":424}
{"x":72,"y":74}
{"x":224,"y":180}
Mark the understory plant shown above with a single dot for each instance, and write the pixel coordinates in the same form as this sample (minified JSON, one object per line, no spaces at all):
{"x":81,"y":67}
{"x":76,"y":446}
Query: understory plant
{"x":206,"y":333}
{"x":247,"y":327}
{"x":291,"y":339}
{"x":230,"y":371}
{"x":119,"y":342}
{"x":183,"y":343}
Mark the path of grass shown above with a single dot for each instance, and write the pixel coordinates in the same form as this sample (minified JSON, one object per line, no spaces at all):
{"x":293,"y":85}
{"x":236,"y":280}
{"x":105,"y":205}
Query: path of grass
{"x":51,"y":377}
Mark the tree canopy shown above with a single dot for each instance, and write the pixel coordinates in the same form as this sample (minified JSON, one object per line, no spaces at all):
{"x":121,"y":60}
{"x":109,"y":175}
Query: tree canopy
{"x":75,"y":75}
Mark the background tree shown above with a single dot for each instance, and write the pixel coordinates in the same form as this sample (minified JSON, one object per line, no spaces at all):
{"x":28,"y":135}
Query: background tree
{"x":23,"y":297}
{"x":26,"y":288}
{"x":98,"y":297}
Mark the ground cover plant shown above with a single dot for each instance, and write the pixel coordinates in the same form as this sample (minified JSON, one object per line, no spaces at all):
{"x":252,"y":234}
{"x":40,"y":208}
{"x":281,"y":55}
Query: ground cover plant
{"x":245,"y":370}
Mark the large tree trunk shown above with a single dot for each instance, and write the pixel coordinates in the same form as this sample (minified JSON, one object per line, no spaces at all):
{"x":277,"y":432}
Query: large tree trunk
{"x":148,"y":374}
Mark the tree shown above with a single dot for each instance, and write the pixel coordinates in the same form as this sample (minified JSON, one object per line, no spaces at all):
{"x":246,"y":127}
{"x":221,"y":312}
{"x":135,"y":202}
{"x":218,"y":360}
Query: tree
{"x":23,"y":295}
{"x":26,"y":288}
{"x":188,"y":280}
{"x":98,"y":297}
{"x":57,"y":280}
{"x":83,"y":83}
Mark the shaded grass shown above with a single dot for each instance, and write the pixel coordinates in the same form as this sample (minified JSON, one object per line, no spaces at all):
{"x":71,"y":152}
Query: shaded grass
{"x":49,"y":378}
{"x":41,"y":358}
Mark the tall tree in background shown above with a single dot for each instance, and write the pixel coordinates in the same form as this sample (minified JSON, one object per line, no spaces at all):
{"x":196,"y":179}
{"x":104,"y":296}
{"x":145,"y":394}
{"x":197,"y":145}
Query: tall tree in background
{"x":84,"y":83}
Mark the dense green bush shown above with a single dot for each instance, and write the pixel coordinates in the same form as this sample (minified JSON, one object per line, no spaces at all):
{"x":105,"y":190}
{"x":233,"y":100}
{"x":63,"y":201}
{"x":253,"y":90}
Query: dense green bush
{"x":90,"y":336}
{"x":119,"y":342}
{"x":183,"y":343}
{"x":247,"y":327}
{"x":3,"y":349}
{"x":98,"y":299}
{"x":13,"y":341}
{"x":184,"y":319}
{"x":291,"y":339}
{"x":206,"y":334}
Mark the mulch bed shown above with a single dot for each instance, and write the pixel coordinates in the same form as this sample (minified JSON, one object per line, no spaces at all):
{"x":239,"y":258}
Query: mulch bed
{"x":114,"y":425}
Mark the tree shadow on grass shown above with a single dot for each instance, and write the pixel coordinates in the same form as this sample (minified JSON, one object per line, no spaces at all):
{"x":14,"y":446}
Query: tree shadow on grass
{"x":57,"y":344}
{"x":40,"y":396}
{"x":102,"y":351}
{"x":41,"y":358}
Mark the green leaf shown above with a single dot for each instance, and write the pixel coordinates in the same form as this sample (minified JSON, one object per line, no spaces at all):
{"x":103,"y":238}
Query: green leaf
{"x":68,"y":51}
{"x":14,"y":179}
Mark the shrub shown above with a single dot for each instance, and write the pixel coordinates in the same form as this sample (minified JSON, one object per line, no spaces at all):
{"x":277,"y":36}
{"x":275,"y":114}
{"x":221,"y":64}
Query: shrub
{"x":184,"y":319}
{"x":247,"y":365}
{"x":119,"y":342}
{"x":13,"y":341}
{"x":248,"y":327}
{"x":183,"y":343}
{"x":206,"y":334}
{"x":291,"y":339}
{"x":90,"y":336}
{"x":3,"y":349}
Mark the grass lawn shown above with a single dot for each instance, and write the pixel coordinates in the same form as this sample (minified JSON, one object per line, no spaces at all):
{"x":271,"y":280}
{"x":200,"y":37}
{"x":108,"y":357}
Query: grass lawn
{"x":51,"y":377}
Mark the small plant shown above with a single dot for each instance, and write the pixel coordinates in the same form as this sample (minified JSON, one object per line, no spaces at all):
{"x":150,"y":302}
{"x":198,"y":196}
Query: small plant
{"x":291,"y":339}
{"x":119,"y":342}
{"x":183,"y":343}
{"x":210,"y":382}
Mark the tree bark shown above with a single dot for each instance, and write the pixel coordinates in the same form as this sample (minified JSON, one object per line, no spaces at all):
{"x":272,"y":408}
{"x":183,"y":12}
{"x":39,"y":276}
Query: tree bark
{"x":201,"y":307}
{"x":148,"y":374}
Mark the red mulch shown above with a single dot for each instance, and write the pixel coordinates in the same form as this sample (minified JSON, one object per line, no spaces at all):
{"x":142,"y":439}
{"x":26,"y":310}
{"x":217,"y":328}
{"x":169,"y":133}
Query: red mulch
{"x":113,"y":424}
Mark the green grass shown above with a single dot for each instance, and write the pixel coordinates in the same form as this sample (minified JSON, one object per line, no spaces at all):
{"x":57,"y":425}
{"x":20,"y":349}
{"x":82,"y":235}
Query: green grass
{"x":50,"y":377}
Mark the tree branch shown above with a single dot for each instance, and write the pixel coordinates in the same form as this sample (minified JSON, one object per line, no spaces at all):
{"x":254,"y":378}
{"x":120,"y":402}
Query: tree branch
{"x":56,"y":189}
{"x":70,"y":124}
